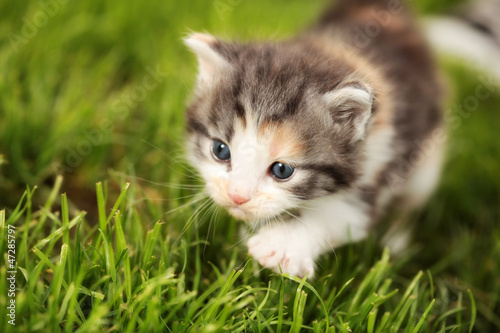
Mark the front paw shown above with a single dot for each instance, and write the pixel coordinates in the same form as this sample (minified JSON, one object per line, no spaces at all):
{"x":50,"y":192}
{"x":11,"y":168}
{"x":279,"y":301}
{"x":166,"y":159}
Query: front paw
{"x":274,"y":248}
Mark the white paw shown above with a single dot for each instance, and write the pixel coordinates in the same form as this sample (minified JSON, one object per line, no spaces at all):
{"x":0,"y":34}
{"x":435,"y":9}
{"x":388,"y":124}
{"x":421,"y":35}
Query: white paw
{"x":274,"y":248}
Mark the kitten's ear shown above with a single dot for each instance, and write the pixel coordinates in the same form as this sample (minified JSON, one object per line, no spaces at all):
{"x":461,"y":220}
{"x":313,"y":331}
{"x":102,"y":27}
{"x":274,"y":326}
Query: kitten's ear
{"x":211,"y":63}
{"x":351,"y":105}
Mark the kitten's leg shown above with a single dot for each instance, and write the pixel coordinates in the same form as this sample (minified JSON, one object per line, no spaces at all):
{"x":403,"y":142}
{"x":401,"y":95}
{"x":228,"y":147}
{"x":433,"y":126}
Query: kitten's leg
{"x":325,"y":223}
{"x":418,"y":189}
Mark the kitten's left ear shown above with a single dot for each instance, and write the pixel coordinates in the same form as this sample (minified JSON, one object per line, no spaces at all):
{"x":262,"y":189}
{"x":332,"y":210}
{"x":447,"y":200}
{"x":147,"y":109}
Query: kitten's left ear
{"x":351,"y":105}
{"x":211,"y":62}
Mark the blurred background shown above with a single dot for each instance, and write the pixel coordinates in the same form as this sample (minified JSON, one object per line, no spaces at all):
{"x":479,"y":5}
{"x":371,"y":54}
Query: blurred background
{"x":96,"y":91}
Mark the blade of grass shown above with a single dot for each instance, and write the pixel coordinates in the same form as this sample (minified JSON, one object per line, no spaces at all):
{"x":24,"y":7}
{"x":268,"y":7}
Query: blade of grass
{"x":473,"y":310}
{"x":101,"y":206}
{"x":121,"y":246}
{"x":57,"y":283}
{"x":59,"y":232}
{"x":65,"y":217}
{"x":424,"y":317}
{"x":281,"y":304}
{"x":45,"y":260}
{"x":150,"y":243}
{"x":313,"y":290}
{"x":406,"y":295}
{"x":109,"y":257}
{"x":48,"y":204}
{"x":214,"y":307}
{"x":371,"y":321}
{"x":118,"y":202}
{"x":298,"y":310}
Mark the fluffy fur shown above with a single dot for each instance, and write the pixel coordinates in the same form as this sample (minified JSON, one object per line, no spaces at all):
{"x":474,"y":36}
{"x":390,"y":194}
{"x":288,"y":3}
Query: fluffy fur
{"x":357,"y":116}
{"x":473,"y":35}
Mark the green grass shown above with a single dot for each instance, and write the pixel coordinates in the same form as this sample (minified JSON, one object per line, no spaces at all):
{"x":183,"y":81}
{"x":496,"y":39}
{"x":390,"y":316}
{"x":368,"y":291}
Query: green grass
{"x":114,"y":276}
{"x":113,"y":245}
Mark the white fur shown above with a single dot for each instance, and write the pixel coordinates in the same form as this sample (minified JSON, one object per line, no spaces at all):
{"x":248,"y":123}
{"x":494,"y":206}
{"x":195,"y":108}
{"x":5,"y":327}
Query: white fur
{"x":284,"y":247}
{"x":425,"y":178}
{"x":335,"y":220}
{"x":352,"y":98}
{"x":293,"y":242}
{"x":418,"y":189}
{"x":211,"y":63}
{"x":324,"y":224}
{"x":378,"y":152}
{"x":455,"y":37}
{"x":248,"y":177}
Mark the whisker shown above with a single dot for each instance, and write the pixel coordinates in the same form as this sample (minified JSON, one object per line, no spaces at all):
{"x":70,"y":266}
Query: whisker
{"x":161,"y":184}
{"x":203,"y":212}
{"x":163,"y":199}
{"x":201,"y":196}
{"x":192,"y":175}
{"x":191,"y":219}
{"x":171,"y":159}
{"x":218,"y":211}
{"x":210,"y":209}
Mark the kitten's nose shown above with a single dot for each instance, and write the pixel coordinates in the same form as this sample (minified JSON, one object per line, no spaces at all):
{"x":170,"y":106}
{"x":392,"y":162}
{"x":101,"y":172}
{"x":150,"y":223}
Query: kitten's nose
{"x":238,"y":199}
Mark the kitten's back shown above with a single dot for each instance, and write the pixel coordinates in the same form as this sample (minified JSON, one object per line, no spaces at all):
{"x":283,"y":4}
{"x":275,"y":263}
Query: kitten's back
{"x":386,"y":34}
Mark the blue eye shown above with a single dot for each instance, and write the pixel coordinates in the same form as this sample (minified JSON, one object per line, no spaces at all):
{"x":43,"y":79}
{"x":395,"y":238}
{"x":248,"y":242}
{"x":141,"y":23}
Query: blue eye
{"x":281,"y":170}
{"x":221,"y":151}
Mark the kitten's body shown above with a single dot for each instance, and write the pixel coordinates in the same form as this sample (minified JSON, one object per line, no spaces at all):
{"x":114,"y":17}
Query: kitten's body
{"x":357,"y":118}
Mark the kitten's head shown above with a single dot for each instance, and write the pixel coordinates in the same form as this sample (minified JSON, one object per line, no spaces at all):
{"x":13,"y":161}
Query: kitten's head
{"x":272,"y":125}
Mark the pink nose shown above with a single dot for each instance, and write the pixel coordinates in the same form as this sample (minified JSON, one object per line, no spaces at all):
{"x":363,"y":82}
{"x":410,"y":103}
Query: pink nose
{"x":238,"y":199}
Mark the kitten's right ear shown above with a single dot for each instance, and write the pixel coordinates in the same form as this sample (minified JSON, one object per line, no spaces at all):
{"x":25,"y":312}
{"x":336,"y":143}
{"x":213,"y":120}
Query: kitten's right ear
{"x":211,"y":63}
{"x":351,"y":105}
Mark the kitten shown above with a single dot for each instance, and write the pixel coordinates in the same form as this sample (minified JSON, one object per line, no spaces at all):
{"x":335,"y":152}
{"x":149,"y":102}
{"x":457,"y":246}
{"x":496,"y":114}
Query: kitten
{"x":310,"y":139}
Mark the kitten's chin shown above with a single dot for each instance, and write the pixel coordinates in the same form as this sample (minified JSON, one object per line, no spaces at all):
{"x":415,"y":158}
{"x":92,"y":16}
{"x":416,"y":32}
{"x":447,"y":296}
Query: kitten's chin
{"x":241,"y":214}
{"x":245,"y":216}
